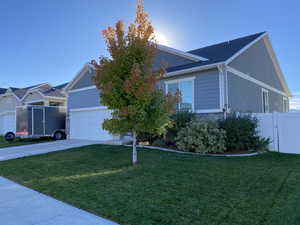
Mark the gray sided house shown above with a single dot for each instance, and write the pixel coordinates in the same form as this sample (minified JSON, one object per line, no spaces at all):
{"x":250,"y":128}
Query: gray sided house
{"x":241,"y":75}
{"x":40,"y":94}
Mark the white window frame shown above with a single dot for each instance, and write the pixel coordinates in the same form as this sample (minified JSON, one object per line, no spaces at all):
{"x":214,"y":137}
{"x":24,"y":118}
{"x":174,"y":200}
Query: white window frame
{"x":267,"y":110}
{"x":285,"y":102}
{"x":183,"y":80}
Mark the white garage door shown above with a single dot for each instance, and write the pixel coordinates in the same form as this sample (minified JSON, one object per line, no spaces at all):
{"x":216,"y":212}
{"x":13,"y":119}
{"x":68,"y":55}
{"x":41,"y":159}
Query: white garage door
{"x":7,"y":122}
{"x":87,"y":124}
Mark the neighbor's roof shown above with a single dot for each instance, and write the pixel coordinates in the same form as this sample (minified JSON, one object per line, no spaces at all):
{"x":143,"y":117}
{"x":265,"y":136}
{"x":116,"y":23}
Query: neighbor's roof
{"x":61,"y":86}
{"x":19,"y":92}
{"x":51,"y":92}
{"x":2,"y":90}
{"x":218,"y":53}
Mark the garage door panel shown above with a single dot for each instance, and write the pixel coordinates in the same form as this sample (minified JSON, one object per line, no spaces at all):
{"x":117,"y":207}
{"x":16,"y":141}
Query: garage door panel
{"x":88,"y":125}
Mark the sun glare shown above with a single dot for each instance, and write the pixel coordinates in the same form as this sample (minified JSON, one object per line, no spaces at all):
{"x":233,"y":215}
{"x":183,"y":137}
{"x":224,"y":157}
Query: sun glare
{"x":161,"y":39}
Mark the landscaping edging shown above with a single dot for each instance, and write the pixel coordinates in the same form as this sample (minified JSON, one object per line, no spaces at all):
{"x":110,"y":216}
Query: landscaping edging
{"x":194,"y":153}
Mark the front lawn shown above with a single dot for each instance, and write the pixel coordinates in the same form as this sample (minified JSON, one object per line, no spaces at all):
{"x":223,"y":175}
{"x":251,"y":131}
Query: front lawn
{"x":167,"y":188}
{"x":18,"y":142}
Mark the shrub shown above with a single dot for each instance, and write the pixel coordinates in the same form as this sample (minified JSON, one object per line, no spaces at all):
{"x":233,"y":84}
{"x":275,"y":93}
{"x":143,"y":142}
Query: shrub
{"x":201,"y":136}
{"x":147,"y":137}
{"x":240,"y":132}
{"x":179,"y":120}
{"x":159,"y":143}
{"x":261,"y":144}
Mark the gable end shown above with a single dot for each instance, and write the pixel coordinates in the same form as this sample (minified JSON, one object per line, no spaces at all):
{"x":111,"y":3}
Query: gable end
{"x":257,"y":62}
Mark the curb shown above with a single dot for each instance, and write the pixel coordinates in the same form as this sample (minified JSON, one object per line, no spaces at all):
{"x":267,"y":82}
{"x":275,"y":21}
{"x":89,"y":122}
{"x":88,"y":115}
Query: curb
{"x":194,"y":153}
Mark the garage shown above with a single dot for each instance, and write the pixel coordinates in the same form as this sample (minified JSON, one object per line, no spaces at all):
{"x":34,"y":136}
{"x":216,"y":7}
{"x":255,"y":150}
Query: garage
{"x":7,"y":122}
{"x":87,"y":124}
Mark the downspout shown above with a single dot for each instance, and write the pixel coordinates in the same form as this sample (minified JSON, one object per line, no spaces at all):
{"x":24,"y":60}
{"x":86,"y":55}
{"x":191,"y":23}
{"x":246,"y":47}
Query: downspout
{"x":224,"y":89}
{"x":226,"y":92}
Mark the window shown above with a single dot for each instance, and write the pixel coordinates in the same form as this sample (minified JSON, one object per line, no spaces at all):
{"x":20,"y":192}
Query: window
{"x":56,"y":104}
{"x":186,"y":88}
{"x":265,"y":101}
{"x":36,"y":103}
{"x":286,"y":107}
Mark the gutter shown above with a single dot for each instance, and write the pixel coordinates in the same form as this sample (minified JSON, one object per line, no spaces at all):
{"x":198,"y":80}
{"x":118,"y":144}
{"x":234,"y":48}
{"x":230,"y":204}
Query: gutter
{"x":193,"y":69}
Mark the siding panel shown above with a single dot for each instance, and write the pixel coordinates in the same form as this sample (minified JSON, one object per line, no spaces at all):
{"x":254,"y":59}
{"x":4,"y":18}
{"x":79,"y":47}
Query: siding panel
{"x":257,"y":63}
{"x":86,"y":80}
{"x":8,"y":103}
{"x":36,"y":97}
{"x":169,"y":60}
{"x":162,"y":57}
{"x":206,"y":89}
{"x":84,"y":99}
{"x":245,"y":96}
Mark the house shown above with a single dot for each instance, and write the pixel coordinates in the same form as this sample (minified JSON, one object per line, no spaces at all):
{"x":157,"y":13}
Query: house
{"x":241,"y":75}
{"x":41,"y":94}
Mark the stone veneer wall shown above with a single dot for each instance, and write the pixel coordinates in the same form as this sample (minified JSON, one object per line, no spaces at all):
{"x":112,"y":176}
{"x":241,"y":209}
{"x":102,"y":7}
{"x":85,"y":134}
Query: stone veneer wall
{"x":210,"y":116}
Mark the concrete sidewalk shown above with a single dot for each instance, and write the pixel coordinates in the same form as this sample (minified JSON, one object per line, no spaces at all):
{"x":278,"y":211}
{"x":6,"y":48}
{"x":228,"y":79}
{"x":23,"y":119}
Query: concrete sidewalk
{"x":42,"y":148}
{"x":20,"y":205}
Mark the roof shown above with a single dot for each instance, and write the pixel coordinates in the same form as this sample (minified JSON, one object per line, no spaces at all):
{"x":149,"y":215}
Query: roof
{"x":2,"y":90}
{"x":61,"y":86}
{"x":218,"y":53}
{"x":19,"y":92}
{"x":53,"y":92}
{"x":223,"y":51}
{"x":42,"y":88}
{"x":187,"y":55}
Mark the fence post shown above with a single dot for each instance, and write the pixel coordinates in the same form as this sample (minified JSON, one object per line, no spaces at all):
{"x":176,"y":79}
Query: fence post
{"x":275,"y":131}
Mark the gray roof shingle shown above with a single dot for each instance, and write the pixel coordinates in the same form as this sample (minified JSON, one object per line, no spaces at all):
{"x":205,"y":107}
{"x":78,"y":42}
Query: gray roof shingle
{"x":2,"y":90}
{"x":61,"y":86}
{"x":217,"y":53}
{"x":52,"y":92}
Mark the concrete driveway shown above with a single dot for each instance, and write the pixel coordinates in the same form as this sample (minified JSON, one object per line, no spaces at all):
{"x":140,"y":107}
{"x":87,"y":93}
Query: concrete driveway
{"x":23,"y":206}
{"x":42,"y":148}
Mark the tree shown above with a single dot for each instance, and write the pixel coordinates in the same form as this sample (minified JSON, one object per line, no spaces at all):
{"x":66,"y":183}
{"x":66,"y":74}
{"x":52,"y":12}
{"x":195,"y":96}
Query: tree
{"x":127,"y":81}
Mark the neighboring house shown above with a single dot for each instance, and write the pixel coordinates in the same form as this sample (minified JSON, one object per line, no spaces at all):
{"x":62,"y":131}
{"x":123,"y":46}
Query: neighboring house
{"x":241,"y":75}
{"x":41,"y":94}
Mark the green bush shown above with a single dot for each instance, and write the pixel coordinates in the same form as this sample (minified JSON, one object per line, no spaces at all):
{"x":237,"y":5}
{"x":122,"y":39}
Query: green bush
{"x":261,"y":144}
{"x":201,"y":136}
{"x":179,"y":120}
{"x":147,"y":137}
{"x":159,"y":143}
{"x":240,"y":132}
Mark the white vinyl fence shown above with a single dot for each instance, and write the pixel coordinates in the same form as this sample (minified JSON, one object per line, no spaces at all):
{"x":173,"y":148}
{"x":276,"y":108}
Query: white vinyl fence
{"x":283,"y":129}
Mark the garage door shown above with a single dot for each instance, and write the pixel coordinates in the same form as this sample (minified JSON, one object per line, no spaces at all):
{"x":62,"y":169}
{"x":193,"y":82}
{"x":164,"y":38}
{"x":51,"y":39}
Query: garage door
{"x":87,"y":124}
{"x":7,"y":122}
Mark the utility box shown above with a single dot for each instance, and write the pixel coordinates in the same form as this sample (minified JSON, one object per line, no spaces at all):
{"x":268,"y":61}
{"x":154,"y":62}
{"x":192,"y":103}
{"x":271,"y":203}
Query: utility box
{"x":40,"y":121}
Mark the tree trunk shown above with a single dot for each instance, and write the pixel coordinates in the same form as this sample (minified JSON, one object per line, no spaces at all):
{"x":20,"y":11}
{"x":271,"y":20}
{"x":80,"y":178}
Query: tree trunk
{"x":134,"y":152}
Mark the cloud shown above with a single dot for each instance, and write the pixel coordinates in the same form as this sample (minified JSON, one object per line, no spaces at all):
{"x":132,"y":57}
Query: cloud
{"x":295,"y":102}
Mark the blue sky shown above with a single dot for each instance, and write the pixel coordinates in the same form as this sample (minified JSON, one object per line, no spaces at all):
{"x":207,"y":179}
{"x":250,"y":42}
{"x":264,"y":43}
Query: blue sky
{"x":50,"y":40}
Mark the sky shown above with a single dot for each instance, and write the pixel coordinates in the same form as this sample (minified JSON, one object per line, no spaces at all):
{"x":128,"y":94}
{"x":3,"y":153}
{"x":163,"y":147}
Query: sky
{"x":50,"y":40}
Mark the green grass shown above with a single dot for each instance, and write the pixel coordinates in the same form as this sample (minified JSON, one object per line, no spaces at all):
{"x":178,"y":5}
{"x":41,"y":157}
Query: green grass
{"x":167,"y":188}
{"x":18,"y":142}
